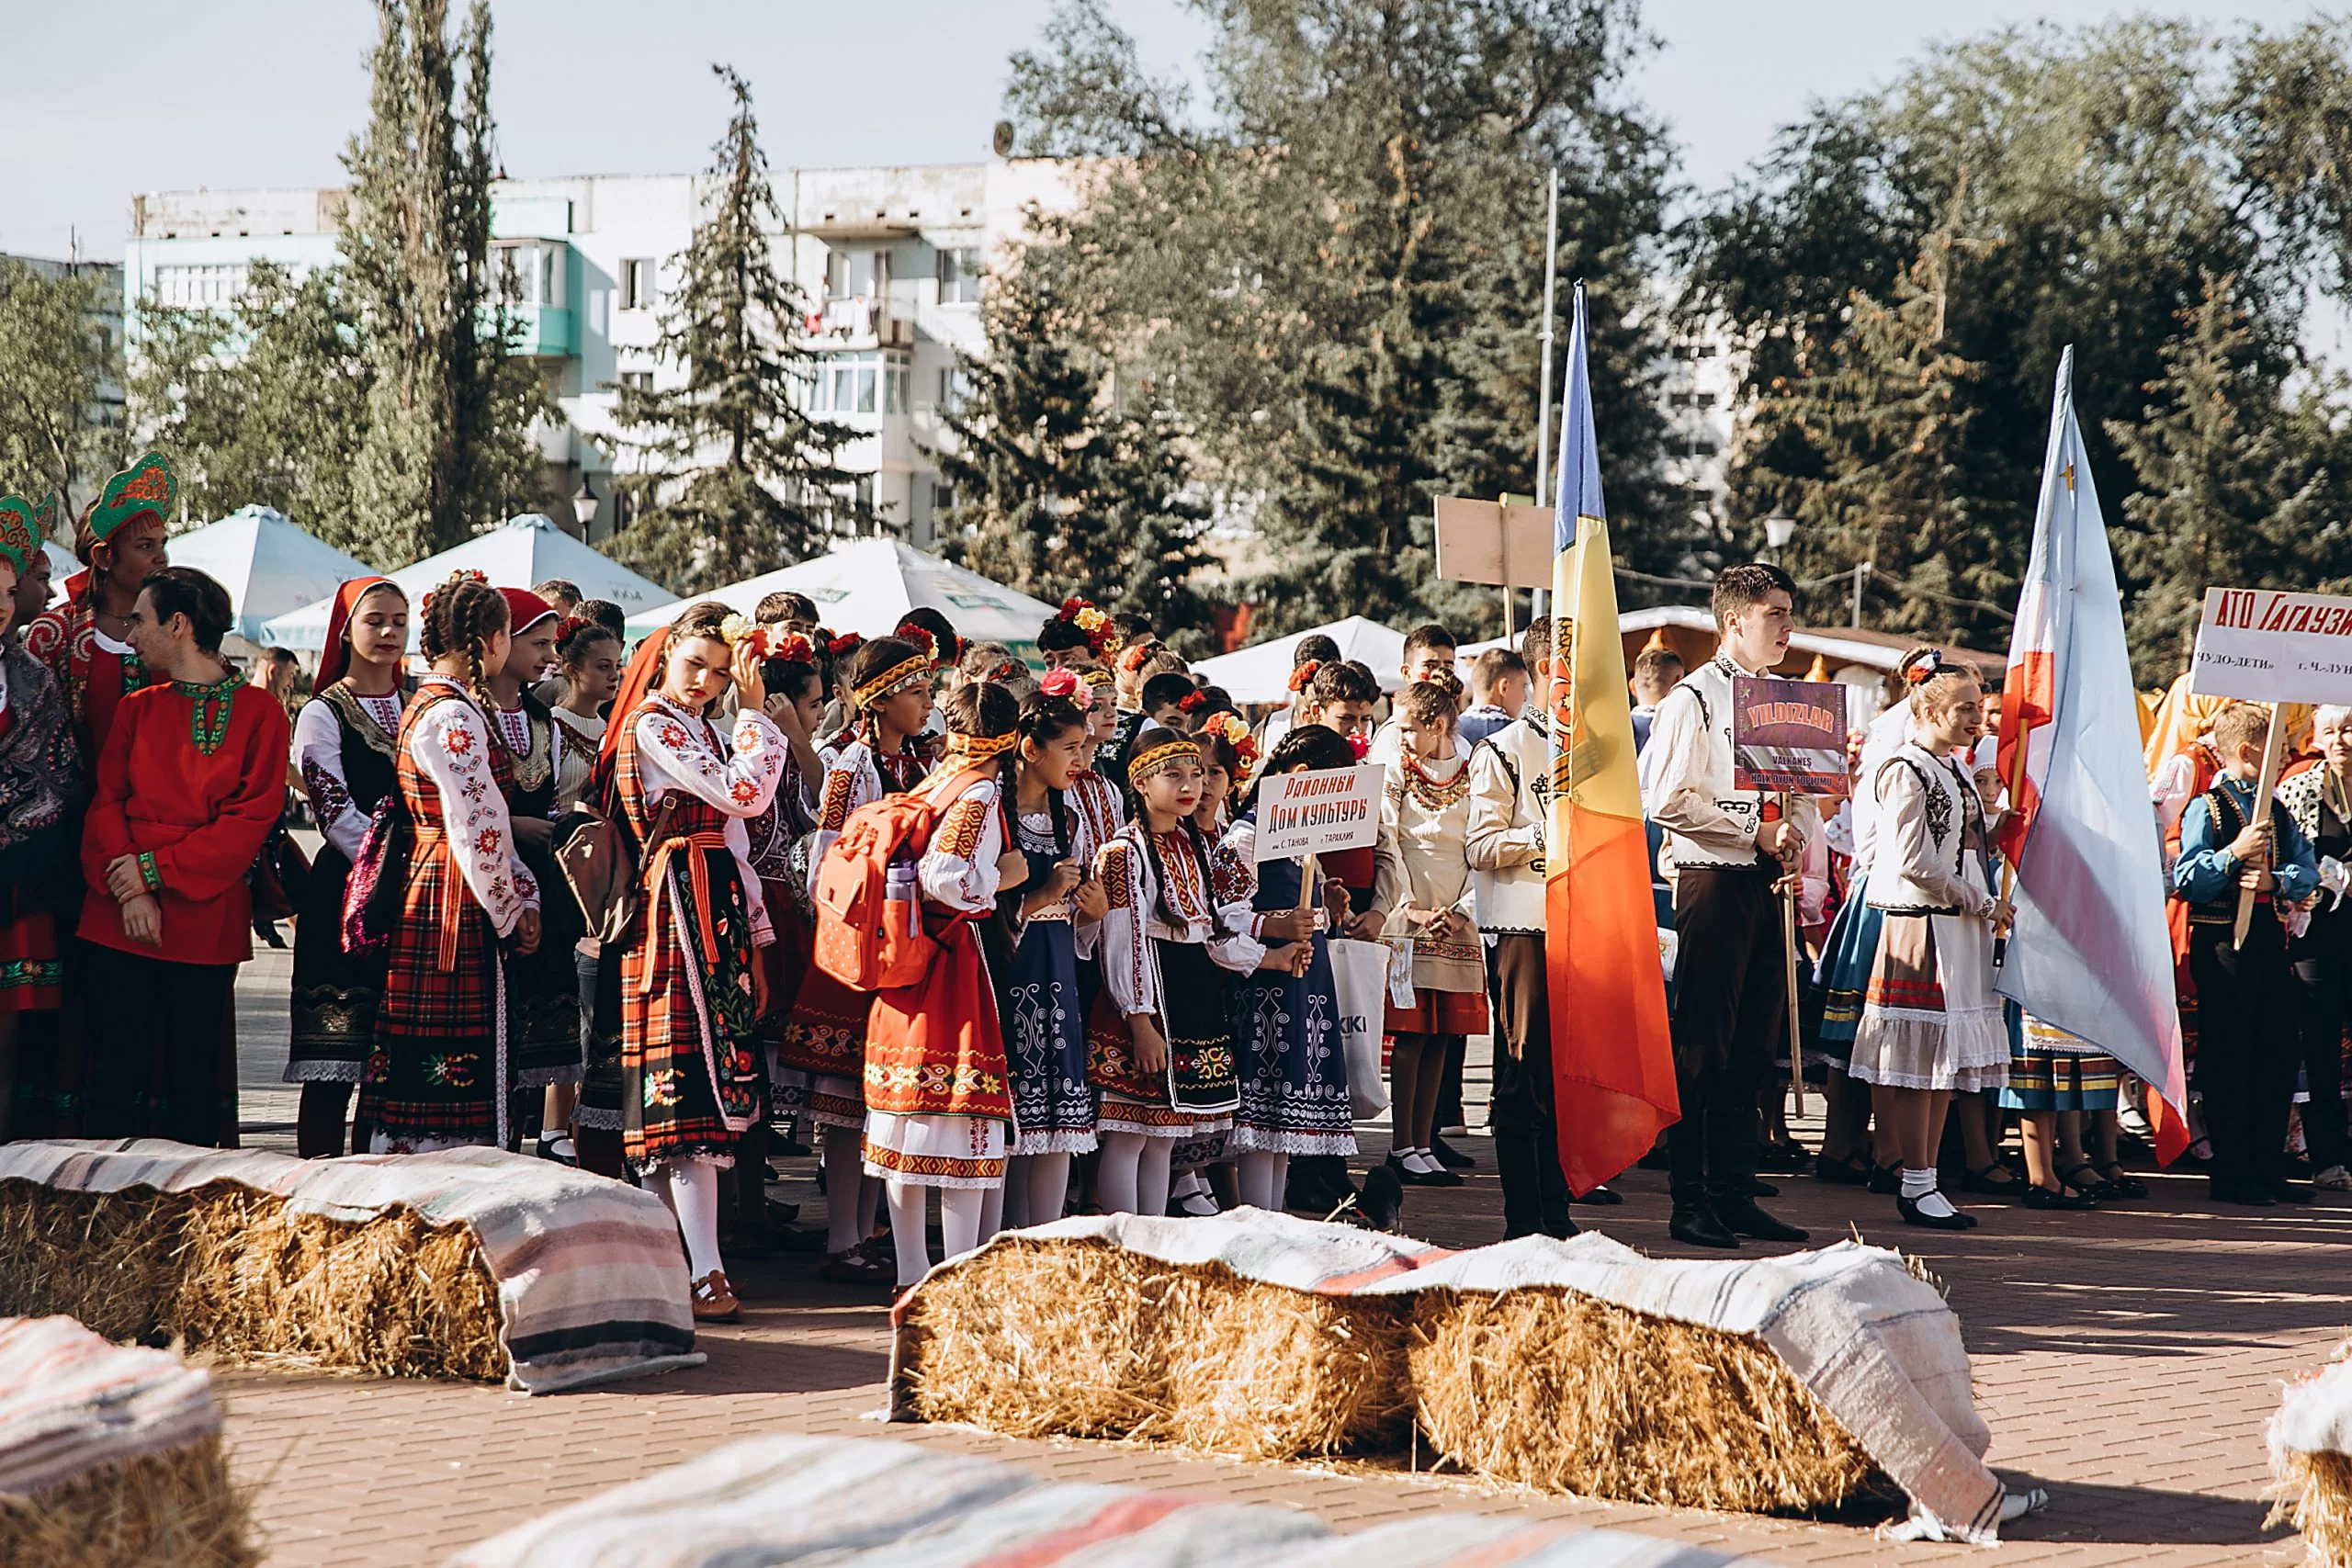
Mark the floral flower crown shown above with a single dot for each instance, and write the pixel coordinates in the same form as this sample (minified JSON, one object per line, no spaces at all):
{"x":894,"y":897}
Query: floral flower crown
{"x":1193,"y":701}
{"x":793,"y":648}
{"x":736,"y":630}
{"x":1134,"y":657}
{"x":840,"y":647}
{"x":1228,"y":728}
{"x":1101,"y":640}
{"x":924,"y":643}
{"x":1304,"y":675}
{"x":1061,"y":683}
{"x":1924,"y":667}
{"x":463,"y":575}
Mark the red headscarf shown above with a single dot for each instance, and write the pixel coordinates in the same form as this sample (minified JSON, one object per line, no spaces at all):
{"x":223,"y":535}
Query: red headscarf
{"x":336,"y":657}
{"x":524,"y":610}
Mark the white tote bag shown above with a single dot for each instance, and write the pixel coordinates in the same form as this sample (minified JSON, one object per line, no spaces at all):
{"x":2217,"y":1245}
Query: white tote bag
{"x":1360,"y":973}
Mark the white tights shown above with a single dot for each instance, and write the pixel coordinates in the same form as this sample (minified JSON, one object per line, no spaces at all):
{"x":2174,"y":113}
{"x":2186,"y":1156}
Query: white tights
{"x":963,"y":1217}
{"x":1261,"y":1178}
{"x":1133,"y":1176}
{"x":850,"y":1194}
{"x":1036,"y":1187}
{"x":689,"y":1185}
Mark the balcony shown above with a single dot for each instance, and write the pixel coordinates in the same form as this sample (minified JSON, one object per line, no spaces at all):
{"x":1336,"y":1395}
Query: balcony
{"x":537,"y":332}
{"x":861,"y":321}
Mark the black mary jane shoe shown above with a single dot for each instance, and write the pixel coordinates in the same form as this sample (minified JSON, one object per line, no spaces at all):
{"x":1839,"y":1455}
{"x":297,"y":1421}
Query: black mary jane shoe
{"x":1602,"y":1197}
{"x":1409,"y":1177}
{"x":1955,"y":1221}
{"x":1981,"y":1181}
{"x":2039,"y":1196}
{"x":2098,"y":1188}
{"x":1446,"y":1154}
{"x":2124,"y":1183}
{"x":1841,"y":1172}
{"x":1885,"y":1181}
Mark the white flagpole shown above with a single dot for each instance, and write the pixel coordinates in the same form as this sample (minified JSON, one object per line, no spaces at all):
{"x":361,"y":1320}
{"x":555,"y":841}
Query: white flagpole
{"x":1543,"y":496}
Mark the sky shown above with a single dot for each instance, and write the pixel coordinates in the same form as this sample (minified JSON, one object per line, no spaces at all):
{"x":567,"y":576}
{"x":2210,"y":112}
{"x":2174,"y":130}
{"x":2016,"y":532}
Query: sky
{"x":259,"y":93}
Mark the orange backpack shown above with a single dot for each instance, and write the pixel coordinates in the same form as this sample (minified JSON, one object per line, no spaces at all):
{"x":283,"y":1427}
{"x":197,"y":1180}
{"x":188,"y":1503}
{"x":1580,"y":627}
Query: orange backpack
{"x":869,"y":910}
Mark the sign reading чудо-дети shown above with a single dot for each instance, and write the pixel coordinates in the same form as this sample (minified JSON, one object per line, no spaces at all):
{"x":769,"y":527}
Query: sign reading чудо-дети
{"x":2269,"y":646}
{"x":1788,"y":735}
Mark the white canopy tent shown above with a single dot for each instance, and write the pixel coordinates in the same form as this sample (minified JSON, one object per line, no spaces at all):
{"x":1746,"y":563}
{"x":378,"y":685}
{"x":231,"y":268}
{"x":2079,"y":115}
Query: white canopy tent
{"x":269,"y":565}
{"x":523,"y":551}
{"x":1261,"y":674}
{"x":62,"y":565}
{"x":865,"y":585}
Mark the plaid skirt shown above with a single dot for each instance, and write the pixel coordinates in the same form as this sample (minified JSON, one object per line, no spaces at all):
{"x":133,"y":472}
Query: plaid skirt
{"x":437,"y":1070}
{"x":690,"y":1075}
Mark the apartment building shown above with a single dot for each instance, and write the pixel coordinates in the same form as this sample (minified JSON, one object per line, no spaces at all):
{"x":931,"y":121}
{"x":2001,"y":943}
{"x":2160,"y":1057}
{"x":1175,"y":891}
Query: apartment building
{"x":890,"y":261}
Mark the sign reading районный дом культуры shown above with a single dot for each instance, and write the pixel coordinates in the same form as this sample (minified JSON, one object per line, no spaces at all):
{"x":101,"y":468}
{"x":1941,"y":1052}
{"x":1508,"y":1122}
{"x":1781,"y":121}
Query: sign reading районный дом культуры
{"x":2265,"y":646}
{"x":1788,"y":735}
{"x":1308,"y":814}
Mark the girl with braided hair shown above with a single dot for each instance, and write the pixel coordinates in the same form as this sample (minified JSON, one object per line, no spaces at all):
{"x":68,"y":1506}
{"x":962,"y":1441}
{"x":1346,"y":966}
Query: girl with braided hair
{"x":440,"y":1075}
{"x":1056,"y":915}
{"x":1294,"y":1072}
{"x":824,"y":1041}
{"x":938,"y":1109}
{"x":693,"y":990}
{"x":1159,"y":1039}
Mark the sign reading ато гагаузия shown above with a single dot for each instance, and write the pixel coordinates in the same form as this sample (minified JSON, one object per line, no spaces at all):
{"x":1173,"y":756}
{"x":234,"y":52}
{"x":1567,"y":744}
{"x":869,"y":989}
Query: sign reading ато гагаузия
{"x":2266,"y":646}
{"x":1308,"y":814}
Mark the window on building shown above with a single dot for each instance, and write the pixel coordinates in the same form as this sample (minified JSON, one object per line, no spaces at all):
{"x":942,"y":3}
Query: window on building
{"x":637,"y":283}
{"x":863,"y":383}
{"x":642,"y":381}
{"x":942,"y":498}
{"x":953,"y":389}
{"x":527,"y":272}
{"x":858,"y":274}
{"x":199,"y":288}
{"x":960,"y":275}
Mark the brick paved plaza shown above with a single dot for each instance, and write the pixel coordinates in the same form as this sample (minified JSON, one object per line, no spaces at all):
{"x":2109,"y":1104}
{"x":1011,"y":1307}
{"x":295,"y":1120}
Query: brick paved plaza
{"x":2125,"y":1359}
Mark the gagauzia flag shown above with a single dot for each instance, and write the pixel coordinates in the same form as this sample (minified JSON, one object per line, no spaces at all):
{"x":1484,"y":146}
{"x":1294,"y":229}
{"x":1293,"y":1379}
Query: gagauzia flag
{"x":2089,"y":952}
{"x":1613,"y":1062}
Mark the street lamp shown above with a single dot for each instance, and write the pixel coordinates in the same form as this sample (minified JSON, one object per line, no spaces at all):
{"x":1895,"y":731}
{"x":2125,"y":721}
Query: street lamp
{"x":584,"y":506}
{"x":1779,"y":529}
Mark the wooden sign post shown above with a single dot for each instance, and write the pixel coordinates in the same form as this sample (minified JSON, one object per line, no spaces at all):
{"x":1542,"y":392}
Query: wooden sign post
{"x":2274,"y":746}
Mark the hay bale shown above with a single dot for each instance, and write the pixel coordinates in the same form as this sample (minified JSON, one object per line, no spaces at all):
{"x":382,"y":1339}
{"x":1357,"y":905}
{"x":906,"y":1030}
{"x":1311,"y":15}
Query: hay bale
{"x":2321,"y":1484}
{"x":1568,"y":1394}
{"x":1029,"y":1338}
{"x":234,"y":1271}
{"x":179,"y":1507}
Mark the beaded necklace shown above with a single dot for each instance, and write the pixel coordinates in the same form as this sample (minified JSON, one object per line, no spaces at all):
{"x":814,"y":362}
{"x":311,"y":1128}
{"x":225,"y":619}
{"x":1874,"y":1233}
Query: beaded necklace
{"x":208,"y":732}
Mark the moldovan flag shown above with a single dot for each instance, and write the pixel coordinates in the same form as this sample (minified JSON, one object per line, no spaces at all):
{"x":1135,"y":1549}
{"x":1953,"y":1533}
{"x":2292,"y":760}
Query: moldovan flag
{"x":2089,"y":952}
{"x":1613,"y":1063}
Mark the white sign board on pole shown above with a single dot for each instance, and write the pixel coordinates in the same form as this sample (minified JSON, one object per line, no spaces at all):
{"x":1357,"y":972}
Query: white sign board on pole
{"x":1309,"y":814}
{"x":2266,"y":646}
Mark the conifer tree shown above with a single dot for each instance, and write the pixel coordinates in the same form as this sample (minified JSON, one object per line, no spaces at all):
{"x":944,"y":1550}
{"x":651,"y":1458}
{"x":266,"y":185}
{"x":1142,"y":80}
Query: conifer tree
{"x":2232,"y":483}
{"x":446,"y":448}
{"x":1057,"y":491}
{"x":734,"y":478}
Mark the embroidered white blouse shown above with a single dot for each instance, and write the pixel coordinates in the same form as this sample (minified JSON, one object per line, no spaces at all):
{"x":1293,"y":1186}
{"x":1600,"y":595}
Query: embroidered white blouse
{"x":318,"y":756}
{"x":681,"y":750}
{"x":1135,"y":920}
{"x":450,"y":745}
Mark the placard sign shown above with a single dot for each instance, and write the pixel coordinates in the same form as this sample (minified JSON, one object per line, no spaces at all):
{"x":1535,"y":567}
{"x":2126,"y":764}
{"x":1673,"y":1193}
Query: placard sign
{"x":1788,"y":735}
{"x":1307,"y":814}
{"x":2271,"y":647}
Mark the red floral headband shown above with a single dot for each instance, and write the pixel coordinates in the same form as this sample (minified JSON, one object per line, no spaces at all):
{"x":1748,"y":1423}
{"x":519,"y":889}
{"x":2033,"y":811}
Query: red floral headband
{"x":1134,"y":657}
{"x":1060,"y":683}
{"x":793,"y":648}
{"x":1301,"y":677}
{"x":924,"y":643}
{"x":841,"y":647}
{"x":1193,"y":701}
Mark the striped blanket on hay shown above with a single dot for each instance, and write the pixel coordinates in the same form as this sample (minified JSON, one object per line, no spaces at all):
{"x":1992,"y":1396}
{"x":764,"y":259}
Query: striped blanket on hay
{"x":71,"y":1403}
{"x":591,"y":1284}
{"x":1880,"y":1349}
{"x":853,"y":1502}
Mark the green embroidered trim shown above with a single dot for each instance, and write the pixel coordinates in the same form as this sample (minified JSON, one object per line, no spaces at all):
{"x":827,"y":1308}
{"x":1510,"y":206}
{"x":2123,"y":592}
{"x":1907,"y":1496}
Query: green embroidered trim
{"x":209,"y":730}
{"x":35,"y":971}
{"x":148,"y":873}
{"x":133,"y":677}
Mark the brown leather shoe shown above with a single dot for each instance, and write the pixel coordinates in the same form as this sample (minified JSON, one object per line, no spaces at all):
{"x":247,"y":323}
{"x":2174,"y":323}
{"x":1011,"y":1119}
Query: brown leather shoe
{"x":714,"y":1299}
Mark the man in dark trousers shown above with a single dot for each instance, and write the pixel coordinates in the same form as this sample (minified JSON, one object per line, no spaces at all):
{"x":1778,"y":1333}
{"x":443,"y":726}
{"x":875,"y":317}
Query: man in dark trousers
{"x":1730,"y":969}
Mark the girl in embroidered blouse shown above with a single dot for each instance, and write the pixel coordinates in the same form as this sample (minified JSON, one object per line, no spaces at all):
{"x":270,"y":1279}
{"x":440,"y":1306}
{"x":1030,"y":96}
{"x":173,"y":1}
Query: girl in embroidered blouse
{"x":588,"y":651}
{"x":345,"y":746}
{"x":1426,"y":809}
{"x":440,"y":1073}
{"x":543,"y":990}
{"x":589,"y":655}
{"x":692,"y":988}
{"x":889,"y":684}
{"x":40,"y":778}
{"x":1057,"y":911}
{"x":1160,"y":1043}
{"x":191,"y":782}
{"x":939,"y":1103}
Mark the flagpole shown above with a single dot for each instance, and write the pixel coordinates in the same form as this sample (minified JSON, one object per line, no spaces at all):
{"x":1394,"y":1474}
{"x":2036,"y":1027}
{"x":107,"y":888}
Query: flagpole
{"x":1536,"y":605}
